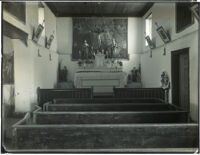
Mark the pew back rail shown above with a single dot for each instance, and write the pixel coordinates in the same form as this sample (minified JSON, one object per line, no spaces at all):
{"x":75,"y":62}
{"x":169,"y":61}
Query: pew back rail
{"x":45,"y":95}
{"x":110,"y":117}
{"x":100,"y":136}
{"x":158,"y":93}
{"x":109,"y":107}
{"x":107,"y":100}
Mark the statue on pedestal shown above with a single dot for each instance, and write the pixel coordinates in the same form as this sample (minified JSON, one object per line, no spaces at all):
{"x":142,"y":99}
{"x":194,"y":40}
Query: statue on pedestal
{"x":165,"y":84}
{"x":62,"y":74}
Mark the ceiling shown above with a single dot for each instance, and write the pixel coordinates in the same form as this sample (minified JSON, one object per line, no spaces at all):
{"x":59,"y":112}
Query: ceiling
{"x":99,"y":9}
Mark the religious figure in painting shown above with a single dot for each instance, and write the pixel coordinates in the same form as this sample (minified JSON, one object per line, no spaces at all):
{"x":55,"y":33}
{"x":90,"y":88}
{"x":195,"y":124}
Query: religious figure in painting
{"x":107,"y":35}
{"x":106,"y":42}
{"x":114,"y":47}
{"x":85,"y":50}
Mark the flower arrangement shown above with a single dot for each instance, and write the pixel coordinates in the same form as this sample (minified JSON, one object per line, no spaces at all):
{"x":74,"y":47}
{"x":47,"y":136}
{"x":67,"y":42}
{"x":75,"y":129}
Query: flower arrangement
{"x":88,"y":61}
{"x":120,"y":63}
{"x":80,"y":63}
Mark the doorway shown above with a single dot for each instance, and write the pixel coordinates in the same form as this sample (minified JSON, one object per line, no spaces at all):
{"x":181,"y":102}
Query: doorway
{"x":180,"y":78}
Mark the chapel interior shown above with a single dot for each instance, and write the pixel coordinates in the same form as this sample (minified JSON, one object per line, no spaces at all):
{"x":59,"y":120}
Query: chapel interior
{"x":100,"y":76}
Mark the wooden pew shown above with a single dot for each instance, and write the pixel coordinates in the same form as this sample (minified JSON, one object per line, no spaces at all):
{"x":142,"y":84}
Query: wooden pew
{"x":109,"y":107}
{"x":45,"y":95}
{"x":117,"y":117}
{"x":106,"y":100}
{"x":103,"y":136}
{"x":158,"y":93}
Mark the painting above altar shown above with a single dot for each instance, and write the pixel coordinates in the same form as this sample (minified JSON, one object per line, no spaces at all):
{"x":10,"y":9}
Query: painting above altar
{"x":105,"y":35}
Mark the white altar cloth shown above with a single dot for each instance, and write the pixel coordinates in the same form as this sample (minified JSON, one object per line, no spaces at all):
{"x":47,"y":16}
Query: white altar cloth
{"x":99,"y":59}
{"x":102,"y":82}
{"x":99,"y":69}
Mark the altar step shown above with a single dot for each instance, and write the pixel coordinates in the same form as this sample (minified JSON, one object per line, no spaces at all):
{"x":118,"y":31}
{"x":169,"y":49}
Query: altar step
{"x":103,"y":96}
{"x":105,"y":100}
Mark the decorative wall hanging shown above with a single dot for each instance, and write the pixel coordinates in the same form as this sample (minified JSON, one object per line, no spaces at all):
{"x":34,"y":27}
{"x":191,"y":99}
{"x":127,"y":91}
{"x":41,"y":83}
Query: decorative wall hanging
{"x":38,"y":32}
{"x":195,"y":11}
{"x":49,"y":41}
{"x":105,"y":35}
{"x":8,"y":68}
{"x":150,"y":42}
{"x":163,"y":35}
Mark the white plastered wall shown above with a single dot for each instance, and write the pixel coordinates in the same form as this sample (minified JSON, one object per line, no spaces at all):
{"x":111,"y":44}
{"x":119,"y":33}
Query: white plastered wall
{"x":164,"y":14}
{"x":30,"y":70}
{"x":65,"y":39}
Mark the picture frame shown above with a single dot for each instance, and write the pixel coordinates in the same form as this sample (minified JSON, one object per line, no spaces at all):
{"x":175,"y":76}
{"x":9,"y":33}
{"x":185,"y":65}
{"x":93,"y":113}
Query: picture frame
{"x":37,"y":33}
{"x":150,"y":42}
{"x":49,"y":41}
{"x":195,"y":11}
{"x":163,"y":34}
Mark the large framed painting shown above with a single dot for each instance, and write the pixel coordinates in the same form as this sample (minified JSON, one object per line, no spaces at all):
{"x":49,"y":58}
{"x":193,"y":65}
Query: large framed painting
{"x":105,"y":35}
{"x":8,"y":68}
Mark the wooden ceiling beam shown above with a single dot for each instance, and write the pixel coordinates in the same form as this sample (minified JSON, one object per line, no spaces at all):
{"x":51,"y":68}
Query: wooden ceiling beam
{"x":99,"y":9}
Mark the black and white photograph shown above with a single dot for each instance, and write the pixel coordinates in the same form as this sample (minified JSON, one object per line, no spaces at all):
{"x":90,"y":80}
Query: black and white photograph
{"x":81,"y":77}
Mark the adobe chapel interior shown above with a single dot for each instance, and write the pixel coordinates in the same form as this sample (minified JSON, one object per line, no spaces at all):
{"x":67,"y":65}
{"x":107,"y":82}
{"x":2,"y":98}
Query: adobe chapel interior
{"x":96,"y":75}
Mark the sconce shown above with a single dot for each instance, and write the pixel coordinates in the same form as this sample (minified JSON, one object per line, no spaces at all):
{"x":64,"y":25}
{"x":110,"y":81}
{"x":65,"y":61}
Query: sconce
{"x":49,"y":41}
{"x":195,"y":11}
{"x":38,"y":32}
{"x":39,"y":55}
{"x":50,"y":57}
{"x":150,"y":53}
{"x":163,"y":35}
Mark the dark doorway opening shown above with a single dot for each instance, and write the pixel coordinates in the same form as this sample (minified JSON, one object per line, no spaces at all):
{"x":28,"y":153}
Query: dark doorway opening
{"x":180,"y":78}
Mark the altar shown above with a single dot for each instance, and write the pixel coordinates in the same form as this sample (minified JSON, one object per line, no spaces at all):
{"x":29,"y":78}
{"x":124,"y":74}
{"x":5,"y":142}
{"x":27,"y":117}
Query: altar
{"x":102,"y":82}
{"x":101,"y":75}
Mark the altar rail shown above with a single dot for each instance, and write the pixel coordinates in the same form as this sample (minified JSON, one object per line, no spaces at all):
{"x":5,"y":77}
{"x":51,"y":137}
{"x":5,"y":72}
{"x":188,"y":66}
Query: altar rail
{"x":45,"y":95}
{"x":157,"y":93}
